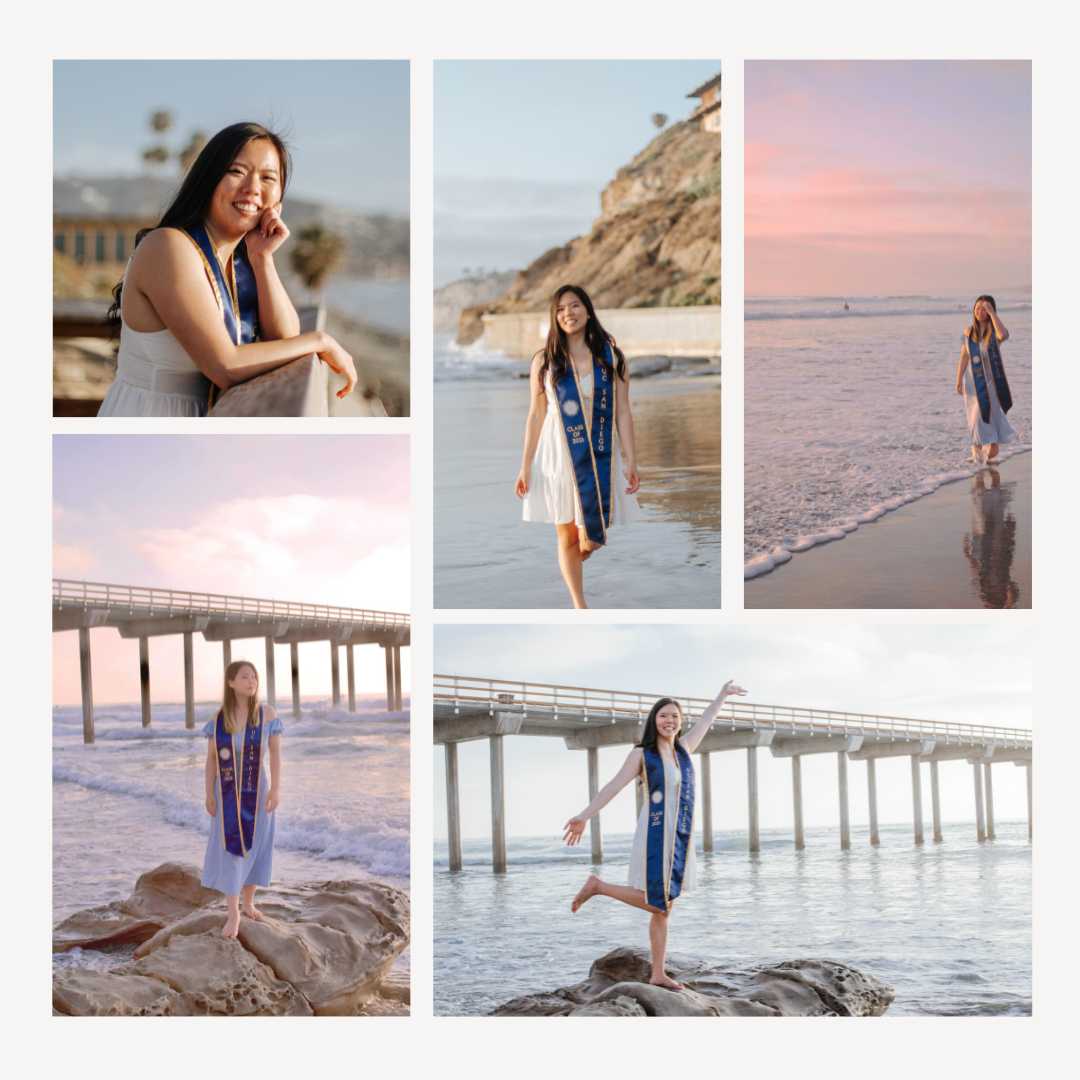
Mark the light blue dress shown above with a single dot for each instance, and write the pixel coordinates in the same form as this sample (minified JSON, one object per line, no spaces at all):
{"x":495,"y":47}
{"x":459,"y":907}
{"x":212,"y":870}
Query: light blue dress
{"x":222,"y":870}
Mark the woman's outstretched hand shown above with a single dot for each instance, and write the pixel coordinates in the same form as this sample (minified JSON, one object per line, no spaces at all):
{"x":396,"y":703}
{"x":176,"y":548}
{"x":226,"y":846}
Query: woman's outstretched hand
{"x":574,"y":828}
{"x":633,"y":480}
{"x":211,"y":805}
{"x":731,"y":690}
{"x":521,"y":488}
{"x":959,"y":387}
{"x":338,"y":360}
{"x":269,"y":234}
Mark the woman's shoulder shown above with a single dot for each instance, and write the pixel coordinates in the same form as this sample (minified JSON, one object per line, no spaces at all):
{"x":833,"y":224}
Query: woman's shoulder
{"x":210,"y":727}
{"x":538,"y":360}
{"x":166,"y":247}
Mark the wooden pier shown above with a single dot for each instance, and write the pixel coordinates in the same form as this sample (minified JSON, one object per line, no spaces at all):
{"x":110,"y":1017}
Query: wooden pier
{"x":144,"y":613}
{"x":467,"y":709}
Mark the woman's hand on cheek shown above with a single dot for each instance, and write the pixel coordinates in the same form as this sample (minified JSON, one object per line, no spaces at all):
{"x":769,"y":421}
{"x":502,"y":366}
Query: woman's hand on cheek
{"x":269,"y":234}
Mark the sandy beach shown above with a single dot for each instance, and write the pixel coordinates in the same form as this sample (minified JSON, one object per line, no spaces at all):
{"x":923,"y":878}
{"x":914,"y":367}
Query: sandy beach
{"x":968,"y":545}
{"x":487,"y":557}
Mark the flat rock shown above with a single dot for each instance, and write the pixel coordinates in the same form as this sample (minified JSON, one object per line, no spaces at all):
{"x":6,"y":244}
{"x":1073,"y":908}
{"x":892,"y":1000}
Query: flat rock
{"x":322,"y":948}
{"x":618,"y":985}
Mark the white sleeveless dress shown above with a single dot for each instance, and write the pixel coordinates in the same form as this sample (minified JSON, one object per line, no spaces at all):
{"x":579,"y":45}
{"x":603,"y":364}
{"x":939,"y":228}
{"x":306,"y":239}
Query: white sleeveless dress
{"x":635,"y":877}
{"x":155,"y":377}
{"x":552,"y":494}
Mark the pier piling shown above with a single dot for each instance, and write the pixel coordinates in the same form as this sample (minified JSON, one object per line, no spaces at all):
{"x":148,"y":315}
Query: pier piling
{"x":845,"y":819}
{"x":88,"y":693}
{"x":1028,"y":792}
{"x":706,"y":802}
{"x":752,"y":797}
{"x":226,"y":652}
{"x":871,"y":791}
{"x":453,"y":806}
{"x":796,"y":798}
{"x":595,"y":834}
{"x":498,"y":804}
{"x":350,"y":675}
{"x":397,"y":679}
{"x":271,"y":680}
{"x":389,"y":678}
{"x":935,"y":801}
{"x":916,"y":797}
{"x":144,"y":679}
{"x":189,"y":681}
{"x":335,"y":674}
{"x":294,"y":663}
{"x":980,"y":819}
{"x":988,"y":787}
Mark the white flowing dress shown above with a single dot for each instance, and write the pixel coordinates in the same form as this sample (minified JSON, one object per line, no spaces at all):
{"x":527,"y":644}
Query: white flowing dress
{"x":155,"y":377}
{"x":552,"y":494}
{"x":636,"y":875}
{"x":998,"y":430}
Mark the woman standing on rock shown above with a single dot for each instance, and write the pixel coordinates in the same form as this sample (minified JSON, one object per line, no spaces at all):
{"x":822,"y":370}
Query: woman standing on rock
{"x":240,"y":795}
{"x":579,"y":413}
{"x":201,"y":305}
{"x":981,"y":379}
{"x":662,"y":862}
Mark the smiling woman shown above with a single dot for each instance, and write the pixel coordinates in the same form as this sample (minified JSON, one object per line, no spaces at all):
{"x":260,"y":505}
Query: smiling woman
{"x":201,"y":305}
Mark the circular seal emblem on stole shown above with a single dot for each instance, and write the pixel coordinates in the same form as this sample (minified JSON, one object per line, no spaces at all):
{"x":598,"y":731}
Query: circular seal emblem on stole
{"x":571,"y":408}
{"x":225,"y":753}
{"x":657,"y":796}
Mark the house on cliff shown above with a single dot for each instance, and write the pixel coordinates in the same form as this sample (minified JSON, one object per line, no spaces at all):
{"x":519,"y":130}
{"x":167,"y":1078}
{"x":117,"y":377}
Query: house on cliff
{"x":708,"y":111}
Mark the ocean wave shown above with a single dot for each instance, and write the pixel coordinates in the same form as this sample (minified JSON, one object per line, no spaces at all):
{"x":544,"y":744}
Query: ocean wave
{"x":781,"y":553}
{"x":870,"y":313}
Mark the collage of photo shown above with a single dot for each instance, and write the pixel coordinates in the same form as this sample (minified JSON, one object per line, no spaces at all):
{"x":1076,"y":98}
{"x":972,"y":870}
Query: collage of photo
{"x":270,"y":455}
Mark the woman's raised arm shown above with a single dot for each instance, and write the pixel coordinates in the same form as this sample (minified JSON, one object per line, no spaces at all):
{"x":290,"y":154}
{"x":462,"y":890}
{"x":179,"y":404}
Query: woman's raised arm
{"x":630,"y":768}
{"x":692,"y":739}
{"x":172,"y":277}
{"x":999,"y":326}
{"x":277,"y":316}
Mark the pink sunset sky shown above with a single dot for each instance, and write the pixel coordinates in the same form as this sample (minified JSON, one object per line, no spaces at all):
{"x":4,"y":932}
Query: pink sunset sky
{"x":887,"y":178}
{"x":312,"y":518}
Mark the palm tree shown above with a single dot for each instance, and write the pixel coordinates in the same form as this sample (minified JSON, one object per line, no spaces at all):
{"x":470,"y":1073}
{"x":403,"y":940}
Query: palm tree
{"x":317,"y":254}
{"x":193,"y":149}
{"x":659,"y":119}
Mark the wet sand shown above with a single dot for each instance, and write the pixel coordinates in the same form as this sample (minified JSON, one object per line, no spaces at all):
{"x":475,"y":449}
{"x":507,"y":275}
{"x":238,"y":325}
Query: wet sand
{"x":487,"y":557}
{"x":968,"y":545}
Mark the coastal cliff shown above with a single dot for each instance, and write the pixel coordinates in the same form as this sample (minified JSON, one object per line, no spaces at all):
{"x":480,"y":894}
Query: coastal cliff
{"x":656,"y":242}
{"x":618,"y":985}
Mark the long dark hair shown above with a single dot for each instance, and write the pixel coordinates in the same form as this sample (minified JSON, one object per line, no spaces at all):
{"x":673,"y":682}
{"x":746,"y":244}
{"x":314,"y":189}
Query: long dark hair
{"x":228,"y":699}
{"x":648,"y":734}
{"x":557,"y":352}
{"x":973,"y":329}
{"x":191,"y":202}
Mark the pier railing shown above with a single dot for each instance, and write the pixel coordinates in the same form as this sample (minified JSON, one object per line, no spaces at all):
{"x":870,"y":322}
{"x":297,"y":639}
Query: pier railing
{"x":67,"y":595}
{"x":608,"y":706}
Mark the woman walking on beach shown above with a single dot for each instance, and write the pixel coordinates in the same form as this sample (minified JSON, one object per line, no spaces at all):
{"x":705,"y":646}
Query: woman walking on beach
{"x":579,"y":414}
{"x":239,"y":794}
{"x":662,"y":862}
{"x":201,"y":305}
{"x":981,"y":379}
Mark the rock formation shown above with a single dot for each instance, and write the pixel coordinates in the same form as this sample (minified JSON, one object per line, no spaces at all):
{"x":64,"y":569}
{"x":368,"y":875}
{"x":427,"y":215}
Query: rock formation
{"x":618,"y":985}
{"x":320,"y":949}
{"x":655,"y":244}
{"x":451,"y":299}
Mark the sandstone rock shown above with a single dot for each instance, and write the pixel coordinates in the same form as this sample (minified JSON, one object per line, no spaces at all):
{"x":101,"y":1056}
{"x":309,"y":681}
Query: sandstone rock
{"x":656,"y":242}
{"x":618,"y":984}
{"x":320,"y":948}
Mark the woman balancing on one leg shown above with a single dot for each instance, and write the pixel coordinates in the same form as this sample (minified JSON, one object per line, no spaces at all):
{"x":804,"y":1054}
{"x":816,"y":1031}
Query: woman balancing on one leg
{"x":240,"y":795}
{"x":579,"y":413}
{"x":981,"y":379}
{"x":662,"y":864}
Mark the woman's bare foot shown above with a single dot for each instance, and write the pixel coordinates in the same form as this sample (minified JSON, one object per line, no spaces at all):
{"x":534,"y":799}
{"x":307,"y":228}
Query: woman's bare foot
{"x":588,"y":891}
{"x":663,"y":980}
{"x":252,"y":912}
{"x":232,"y":925}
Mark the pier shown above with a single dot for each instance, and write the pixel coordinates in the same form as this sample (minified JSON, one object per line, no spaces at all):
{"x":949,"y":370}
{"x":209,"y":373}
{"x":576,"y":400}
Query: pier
{"x":468,"y":709}
{"x":143,"y":613}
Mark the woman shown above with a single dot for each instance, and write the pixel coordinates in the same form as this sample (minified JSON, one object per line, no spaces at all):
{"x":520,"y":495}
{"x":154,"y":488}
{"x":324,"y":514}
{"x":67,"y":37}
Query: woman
{"x":981,"y":379}
{"x":201,"y":305}
{"x":571,"y":471}
{"x":662,"y":863}
{"x":239,"y":794}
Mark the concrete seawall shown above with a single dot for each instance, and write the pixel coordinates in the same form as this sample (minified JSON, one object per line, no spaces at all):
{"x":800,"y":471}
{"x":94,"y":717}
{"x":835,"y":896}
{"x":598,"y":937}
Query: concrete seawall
{"x":680,"y":331}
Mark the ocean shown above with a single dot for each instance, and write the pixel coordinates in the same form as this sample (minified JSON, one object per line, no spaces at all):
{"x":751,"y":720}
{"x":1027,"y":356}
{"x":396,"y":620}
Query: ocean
{"x":487,"y":557}
{"x":947,"y":925}
{"x":135,"y":799}
{"x":382,"y":303}
{"x":850,"y":414}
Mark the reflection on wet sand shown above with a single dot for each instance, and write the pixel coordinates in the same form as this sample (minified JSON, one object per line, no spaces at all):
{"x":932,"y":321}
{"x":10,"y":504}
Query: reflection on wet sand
{"x":991,"y":543}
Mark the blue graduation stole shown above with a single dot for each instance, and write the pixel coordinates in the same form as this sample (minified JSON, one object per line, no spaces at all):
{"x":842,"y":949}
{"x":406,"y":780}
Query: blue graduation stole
{"x":241,"y":313}
{"x":590,"y":450}
{"x":997,"y":373}
{"x":239,"y":801}
{"x":663,"y":883}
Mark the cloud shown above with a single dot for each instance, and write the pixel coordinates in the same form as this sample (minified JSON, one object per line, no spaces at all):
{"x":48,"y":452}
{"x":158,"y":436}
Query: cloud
{"x":72,"y":561}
